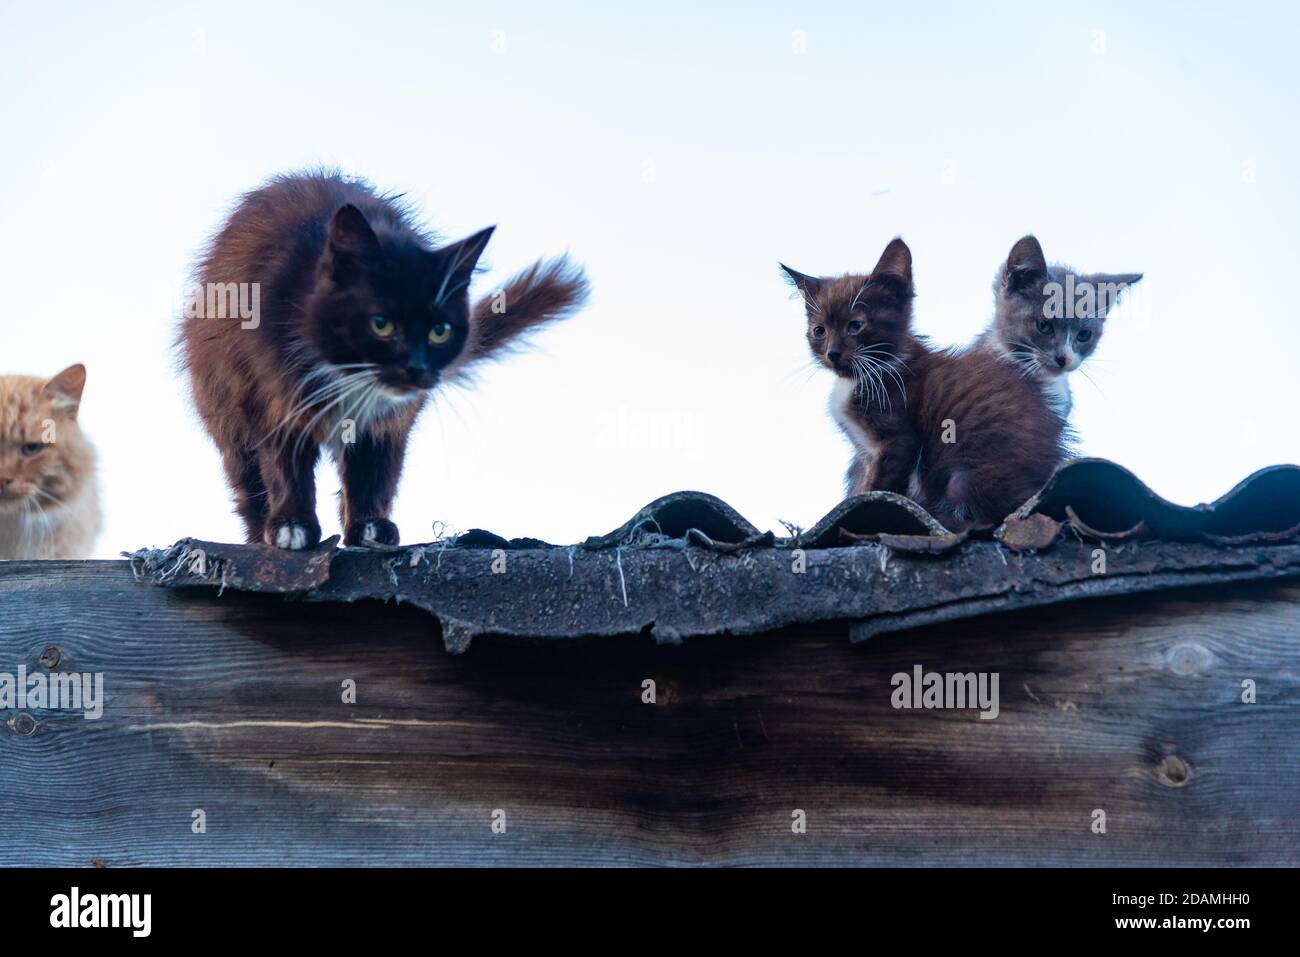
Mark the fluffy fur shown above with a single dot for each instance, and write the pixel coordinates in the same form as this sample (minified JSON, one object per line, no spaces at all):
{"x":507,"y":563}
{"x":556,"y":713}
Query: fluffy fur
{"x":963,"y":434}
{"x":49,"y":499}
{"x":362,"y":314}
{"x":1048,"y":319}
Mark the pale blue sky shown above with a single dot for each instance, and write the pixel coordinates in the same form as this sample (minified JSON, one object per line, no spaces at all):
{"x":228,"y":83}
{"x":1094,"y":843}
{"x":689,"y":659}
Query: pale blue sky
{"x":679,"y":153}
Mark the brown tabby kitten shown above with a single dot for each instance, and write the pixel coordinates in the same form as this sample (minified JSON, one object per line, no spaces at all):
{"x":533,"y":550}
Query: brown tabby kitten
{"x":49,"y":500}
{"x":962,"y":434}
{"x":356,"y":315}
{"x":1049,"y":318}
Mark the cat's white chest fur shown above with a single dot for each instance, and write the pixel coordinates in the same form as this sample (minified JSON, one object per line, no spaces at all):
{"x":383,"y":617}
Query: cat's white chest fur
{"x":354,"y":414}
{"x":843,"y":397}
{"x":1057,"y":390}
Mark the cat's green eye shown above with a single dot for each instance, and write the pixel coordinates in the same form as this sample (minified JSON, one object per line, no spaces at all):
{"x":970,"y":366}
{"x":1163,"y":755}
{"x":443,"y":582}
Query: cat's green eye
{"x":1044,"y":327}
{"x":819,"y":332}
{"x":31,"y":448}
{"x":1083,"y":336}
{"x":381,"y":326}
{"x":855,"y":327}
{"x":440,"y":333}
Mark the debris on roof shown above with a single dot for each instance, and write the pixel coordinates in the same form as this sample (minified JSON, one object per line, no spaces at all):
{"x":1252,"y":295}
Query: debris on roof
{"x":688,"y":564}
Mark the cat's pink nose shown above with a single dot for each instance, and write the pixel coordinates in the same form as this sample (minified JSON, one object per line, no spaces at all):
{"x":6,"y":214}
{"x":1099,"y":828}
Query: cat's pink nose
{"x":1061,"y":361}
{"x":4,"y":484}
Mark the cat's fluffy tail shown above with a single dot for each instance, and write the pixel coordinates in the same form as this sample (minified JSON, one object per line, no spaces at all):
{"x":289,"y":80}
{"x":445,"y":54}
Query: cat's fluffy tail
{"x":547,"y":291}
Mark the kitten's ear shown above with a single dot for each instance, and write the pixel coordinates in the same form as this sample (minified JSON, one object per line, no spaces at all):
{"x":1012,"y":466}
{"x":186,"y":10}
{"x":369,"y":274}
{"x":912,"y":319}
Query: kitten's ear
{"x":895,"y":261}
{"x":1025,"y":266}
{"x":64,"y":390}
{"x":1109,"y":287}
{"x":459,"y":261}
{"x":895,"y":265}
{"x":808,"y":286}
{"x":352,"y":242}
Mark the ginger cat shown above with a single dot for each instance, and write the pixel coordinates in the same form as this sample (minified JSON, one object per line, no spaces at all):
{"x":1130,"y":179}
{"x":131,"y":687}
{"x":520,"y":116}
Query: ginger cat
{"x":49,"y":500}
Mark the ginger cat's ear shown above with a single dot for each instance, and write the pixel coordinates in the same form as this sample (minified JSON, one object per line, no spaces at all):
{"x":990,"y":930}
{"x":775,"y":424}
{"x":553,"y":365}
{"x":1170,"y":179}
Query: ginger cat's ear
{"x":65,"y":388}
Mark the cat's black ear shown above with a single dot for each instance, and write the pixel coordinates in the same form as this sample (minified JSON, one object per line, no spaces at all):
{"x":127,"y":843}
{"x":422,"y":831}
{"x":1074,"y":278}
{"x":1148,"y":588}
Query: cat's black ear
{"x":1026,"y":266}
{"x":1109,"y":286}
{"x":895,"y":263}
{"x":808,"y":286}
{"x":458,"y":262}
{"x":352,"y":243}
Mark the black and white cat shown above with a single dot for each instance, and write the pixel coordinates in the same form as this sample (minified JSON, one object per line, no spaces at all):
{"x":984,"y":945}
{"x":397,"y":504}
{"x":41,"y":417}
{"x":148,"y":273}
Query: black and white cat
{"x":363,"y":314}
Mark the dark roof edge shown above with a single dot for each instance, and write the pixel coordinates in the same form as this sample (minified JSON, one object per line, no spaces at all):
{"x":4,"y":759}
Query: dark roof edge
{"x":679,"y":592}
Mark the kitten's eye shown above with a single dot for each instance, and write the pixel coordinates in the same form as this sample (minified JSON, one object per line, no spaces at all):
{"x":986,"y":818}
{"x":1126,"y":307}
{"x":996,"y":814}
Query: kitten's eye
{"x":381,"y":326}
{"x":819,"y":332}
{"x":855,"y":327}
{"x":1045,"y":327}
{"x":440,"y":333}
{"x":31,"y":448}
{"x":1083,"y":336}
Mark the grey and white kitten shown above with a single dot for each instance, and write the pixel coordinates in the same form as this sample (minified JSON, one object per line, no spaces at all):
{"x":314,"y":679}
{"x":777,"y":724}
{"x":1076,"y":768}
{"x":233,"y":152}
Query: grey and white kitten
{"x":1049,"y":318}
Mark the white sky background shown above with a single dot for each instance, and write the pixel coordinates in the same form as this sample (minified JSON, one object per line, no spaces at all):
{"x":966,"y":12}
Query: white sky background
{"x":679,"y":154}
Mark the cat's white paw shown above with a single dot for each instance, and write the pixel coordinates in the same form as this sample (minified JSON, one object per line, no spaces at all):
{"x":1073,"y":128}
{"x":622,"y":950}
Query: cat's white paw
{"x":293,"y":536}
{"x":372,"y":532}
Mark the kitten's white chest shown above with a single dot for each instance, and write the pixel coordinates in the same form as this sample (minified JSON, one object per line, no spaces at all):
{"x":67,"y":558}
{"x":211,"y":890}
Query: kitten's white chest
{"x":1057,"y":390}
{"x":841,"y":407}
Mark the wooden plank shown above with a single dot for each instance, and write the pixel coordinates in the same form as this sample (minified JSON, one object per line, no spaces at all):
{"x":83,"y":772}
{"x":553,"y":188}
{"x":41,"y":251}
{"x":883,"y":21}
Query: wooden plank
{"x":232,"y":705}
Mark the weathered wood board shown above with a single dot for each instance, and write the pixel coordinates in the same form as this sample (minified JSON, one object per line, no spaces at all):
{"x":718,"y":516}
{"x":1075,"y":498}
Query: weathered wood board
{"x":232,"y":704}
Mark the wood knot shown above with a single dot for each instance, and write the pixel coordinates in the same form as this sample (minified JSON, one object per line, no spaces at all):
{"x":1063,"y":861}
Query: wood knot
{"x":1189,"y":658}
{"x":670,"y":692}
{"x":1173,"y":771}
{"x":23,"y":724}
{"x":51,"y":657}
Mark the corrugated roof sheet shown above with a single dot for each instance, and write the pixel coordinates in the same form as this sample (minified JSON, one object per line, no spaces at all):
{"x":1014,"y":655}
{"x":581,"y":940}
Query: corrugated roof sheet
{"x":689,"y":564}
